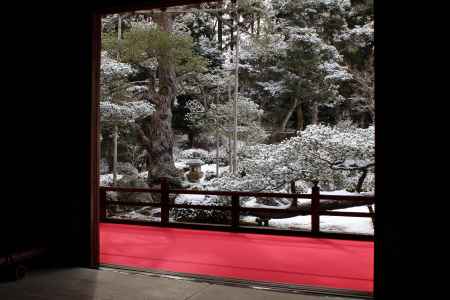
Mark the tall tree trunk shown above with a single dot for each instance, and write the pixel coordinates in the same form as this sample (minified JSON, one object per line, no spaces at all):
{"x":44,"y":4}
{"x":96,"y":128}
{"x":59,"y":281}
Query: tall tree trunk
{"x":161,"y":138}
{"x":300,"y":117}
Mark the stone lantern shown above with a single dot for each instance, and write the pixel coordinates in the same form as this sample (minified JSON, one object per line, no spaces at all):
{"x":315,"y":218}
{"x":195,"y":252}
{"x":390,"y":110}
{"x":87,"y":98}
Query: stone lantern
{"x":195,"y":170}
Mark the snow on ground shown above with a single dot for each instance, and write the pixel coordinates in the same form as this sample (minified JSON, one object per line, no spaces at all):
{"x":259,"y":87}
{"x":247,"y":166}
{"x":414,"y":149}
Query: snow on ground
{"x":283,"y":203}
{"x":195,"y":199}
{"x":107,"y":179}
{"x":139,"y":214}
{"x":345,"y":193}
{"x":327,"y":223}
{"x":330,"y":223}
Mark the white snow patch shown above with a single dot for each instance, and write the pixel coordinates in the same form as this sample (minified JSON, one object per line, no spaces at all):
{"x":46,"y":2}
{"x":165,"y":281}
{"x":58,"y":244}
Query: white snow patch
{"x":330,"y":223}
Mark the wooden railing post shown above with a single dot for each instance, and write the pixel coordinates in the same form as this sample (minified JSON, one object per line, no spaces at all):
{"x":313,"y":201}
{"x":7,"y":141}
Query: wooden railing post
{"x":102,"y":205}
{"x":294,"y":191}
{"x":164,"y":201}
{"x":235,"y":211}
{"x":315,"y":208}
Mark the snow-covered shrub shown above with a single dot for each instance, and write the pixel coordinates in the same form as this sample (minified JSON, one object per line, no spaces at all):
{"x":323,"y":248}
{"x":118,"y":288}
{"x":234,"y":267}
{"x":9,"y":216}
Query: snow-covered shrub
{"x":211,"y":158}
{"x":133,"y":181}
{"x":201,"y":215}
{"x":194,"y":153}
{"x":126,"y":169}
{"x":205,"y":156}
{"x":319,"y":152}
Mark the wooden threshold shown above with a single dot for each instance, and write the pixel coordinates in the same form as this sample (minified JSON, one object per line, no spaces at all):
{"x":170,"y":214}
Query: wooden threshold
{"x":260,"y":285}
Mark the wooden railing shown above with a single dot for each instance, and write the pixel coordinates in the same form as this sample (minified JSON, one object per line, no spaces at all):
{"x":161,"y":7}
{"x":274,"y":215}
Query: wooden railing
{"x":315,"y":210}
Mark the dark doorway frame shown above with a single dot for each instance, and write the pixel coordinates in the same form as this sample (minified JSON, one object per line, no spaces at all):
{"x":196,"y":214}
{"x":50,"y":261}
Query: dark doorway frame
{"x":95,"y":24}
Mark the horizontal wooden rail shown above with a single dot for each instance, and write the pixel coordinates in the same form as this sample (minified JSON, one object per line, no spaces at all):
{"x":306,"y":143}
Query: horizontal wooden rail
{"x":236,"y":209}
{"x":241,"y":194}
{"x":134,"y":203}
{"x":274,"y":210}
{"x":199,"y":206}
{"x":129,"y":189}
{"x":345,"y":214}
{"x":362,"y":198}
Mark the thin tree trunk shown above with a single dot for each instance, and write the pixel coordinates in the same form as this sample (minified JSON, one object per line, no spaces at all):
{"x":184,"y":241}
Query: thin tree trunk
{"x":315,"y":113}
{"x":230,"y":154}
{"x":119,"y":28}
{"x":258,"y":25}
{"x":300,"y":117}
{"x":115,"y":156}
{"x":230,"y":148}
{"x":338,"y":114}
{"x":362,"y":120}
{"x":217,"y":139}
{"x":232,"y":32}
{"x":119,"y":37}
{"x":361,"y":180}
{"x":236,"y":93}
{"x":277,"y":134}
{"x":372,"y":114}
{"x":220,"y":31}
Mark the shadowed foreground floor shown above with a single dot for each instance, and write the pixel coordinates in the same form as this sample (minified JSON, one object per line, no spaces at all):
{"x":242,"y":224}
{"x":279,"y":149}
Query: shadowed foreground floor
{"x":89,"y":284}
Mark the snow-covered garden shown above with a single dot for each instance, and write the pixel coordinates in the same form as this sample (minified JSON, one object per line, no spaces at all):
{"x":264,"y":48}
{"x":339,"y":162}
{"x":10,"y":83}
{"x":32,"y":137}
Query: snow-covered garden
{"x":281,"y":100}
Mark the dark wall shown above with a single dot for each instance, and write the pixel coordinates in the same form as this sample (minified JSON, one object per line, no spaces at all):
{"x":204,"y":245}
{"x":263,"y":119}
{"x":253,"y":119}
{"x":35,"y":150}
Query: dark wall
{"x":46,"y":128}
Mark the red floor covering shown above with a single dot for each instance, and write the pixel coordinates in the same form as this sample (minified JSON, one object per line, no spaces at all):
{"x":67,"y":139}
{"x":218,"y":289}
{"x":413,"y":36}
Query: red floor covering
{"x":280,"y":259}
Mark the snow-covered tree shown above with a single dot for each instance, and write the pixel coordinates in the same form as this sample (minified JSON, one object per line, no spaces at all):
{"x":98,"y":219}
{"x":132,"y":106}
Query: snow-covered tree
{"x":165,"y":54}
{"x":331,"y":155}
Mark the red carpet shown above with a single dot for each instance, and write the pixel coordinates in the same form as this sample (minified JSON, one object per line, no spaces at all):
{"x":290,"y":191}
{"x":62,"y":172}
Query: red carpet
{"x":280,"y":259}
